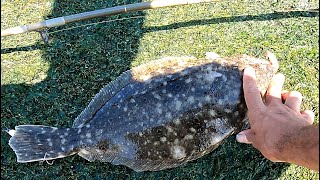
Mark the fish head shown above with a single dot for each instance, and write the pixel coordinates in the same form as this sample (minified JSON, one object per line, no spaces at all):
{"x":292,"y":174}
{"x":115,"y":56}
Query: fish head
{"x":265,"y":69}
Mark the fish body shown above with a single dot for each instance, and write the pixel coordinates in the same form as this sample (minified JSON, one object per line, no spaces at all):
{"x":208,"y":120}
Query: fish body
{"x":158,"y":115}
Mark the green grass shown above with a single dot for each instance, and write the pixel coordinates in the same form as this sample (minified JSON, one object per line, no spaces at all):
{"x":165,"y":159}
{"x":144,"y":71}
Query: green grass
{"x":51,"y":84}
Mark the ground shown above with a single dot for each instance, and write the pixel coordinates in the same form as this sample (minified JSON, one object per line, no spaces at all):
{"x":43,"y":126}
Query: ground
{"x":52,"y":83}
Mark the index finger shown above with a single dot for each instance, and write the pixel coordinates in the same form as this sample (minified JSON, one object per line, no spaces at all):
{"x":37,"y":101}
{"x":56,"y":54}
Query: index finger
{"x":251,"y":92}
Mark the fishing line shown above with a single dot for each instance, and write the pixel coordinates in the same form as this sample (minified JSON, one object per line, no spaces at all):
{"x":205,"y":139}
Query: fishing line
{"x":90,"y":24}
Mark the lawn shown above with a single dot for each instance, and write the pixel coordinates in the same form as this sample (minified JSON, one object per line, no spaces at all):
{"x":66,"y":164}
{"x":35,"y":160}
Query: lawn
{"x":52,"y":83}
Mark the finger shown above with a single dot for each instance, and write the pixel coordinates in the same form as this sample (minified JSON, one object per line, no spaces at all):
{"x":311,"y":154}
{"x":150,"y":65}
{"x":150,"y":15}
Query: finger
{"x":308,"y":116}
{"x":293,"y":100}
{"x":246,"y":136}
{"x":251,"y":92}
{"x":274,"y":90}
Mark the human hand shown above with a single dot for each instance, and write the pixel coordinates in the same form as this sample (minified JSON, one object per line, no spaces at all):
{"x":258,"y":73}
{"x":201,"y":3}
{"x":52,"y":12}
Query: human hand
{"x":274,"y":125}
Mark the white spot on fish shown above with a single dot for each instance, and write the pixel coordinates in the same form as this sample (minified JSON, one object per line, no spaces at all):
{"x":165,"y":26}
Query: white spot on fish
{"x":207,"y":98}
{"x":227,"y":110}
{"x":125,"y":109}
{"x":178,"y":105}
{"x":191,"y":99}
{"x":170,"y":95}
{"x":177,"y":122}
{"x":163,"y":139}
{"x":212,"y":112}
{"x":193,"y":89}
{"x":193,"y":130}
{"x":88,"y":135}
{"x":156,"y":143}
{"x":156,"y":96}
{"x":88,"y":126}
{"x":188,"y":80}
{"x":165,"y":83}
{"x":178,"y":152}
{"x":169,"y":129}
{"x":63,"y":141}
{"x":188,"y":137}
{"x":168,"y":115}
{"x":220,"y":102}
{"x":132,"y":100}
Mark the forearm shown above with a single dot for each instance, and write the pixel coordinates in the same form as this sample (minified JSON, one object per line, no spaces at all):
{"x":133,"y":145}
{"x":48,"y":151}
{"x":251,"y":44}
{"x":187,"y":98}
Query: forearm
{"x":302,"y":148}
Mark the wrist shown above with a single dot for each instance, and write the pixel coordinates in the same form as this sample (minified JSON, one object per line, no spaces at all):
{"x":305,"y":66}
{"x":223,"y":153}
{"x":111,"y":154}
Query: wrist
{"x":301,"y":147}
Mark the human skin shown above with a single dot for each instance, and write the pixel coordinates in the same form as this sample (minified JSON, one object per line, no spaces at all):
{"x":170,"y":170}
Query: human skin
{"x":279,"y":130}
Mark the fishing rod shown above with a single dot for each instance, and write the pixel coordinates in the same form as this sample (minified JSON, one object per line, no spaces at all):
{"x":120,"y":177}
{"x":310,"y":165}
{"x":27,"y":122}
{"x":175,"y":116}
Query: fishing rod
{"x":59,"y":21}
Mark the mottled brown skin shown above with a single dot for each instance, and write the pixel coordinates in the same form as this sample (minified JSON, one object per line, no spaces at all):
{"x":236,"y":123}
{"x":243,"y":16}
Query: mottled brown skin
{"x":166,"y":112}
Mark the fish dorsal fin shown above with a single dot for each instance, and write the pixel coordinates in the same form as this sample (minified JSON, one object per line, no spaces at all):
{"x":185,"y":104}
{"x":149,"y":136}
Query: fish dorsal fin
{"x":106,"y":93}
{"x":141,"y":73}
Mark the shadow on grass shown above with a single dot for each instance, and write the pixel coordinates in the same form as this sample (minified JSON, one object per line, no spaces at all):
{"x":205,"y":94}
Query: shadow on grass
{"x":82,"y":61}
{"x":260,"y":17}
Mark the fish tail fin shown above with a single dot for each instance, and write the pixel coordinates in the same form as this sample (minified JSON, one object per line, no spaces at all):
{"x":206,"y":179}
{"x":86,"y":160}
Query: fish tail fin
{"x":37,"y":143}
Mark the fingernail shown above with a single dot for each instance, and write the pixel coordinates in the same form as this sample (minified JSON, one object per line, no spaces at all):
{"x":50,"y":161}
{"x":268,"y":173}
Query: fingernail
{"x":250,"y":71}
{"x":242,"y":138}
{"x":280,"y":76}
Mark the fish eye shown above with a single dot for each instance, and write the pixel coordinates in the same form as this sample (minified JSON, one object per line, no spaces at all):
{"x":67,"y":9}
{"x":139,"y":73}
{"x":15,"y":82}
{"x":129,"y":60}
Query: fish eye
{"x":177,"y":87}
{"x":159,"y":131}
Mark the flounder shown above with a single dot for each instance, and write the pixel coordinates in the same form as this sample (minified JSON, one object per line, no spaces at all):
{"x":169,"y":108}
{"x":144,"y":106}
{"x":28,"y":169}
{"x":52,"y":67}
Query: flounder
{"x":155,"y":116}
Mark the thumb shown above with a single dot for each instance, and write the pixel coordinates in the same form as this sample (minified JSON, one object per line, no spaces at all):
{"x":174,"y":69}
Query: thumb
{"x":245,"y":136}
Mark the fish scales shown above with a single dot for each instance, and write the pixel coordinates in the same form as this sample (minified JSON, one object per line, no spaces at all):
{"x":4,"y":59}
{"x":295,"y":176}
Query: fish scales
{"x":158,"y":115}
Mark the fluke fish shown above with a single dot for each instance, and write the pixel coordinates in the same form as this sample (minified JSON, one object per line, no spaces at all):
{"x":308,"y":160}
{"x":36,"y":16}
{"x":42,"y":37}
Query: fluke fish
{"x":155,"y":116}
